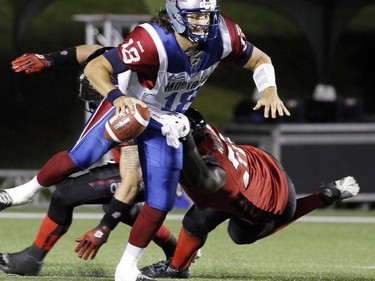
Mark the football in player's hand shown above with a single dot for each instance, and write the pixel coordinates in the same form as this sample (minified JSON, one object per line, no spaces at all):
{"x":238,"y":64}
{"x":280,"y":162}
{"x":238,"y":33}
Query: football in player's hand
{"x":127,"y":126}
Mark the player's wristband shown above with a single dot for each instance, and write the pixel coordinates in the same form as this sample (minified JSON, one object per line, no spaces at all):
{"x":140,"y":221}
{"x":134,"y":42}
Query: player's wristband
{"x":64,"y":57}
{"x":116,"y":209}
{"x":113,"y":95}
{"x":264,"y":77}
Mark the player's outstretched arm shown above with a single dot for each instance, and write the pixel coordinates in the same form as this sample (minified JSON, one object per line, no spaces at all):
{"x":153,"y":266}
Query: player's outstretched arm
{"x":265,"y":81}
{"x":271,"y":103}
{"x":31,"y":63}
{"x":204,"y":175}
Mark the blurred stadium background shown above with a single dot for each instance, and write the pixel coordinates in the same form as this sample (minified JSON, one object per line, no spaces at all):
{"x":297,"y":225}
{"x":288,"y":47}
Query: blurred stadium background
{"x":320,"y":49}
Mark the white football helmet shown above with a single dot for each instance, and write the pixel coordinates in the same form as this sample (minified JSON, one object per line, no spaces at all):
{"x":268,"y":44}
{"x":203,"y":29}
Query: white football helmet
{"x":179,"y":10}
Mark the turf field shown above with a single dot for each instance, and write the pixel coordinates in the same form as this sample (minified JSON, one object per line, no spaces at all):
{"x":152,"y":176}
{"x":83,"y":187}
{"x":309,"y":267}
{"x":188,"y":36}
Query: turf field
{"x":341,"y":249}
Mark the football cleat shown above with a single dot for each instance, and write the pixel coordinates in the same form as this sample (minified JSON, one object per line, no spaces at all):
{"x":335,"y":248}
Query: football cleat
{"x":21,"y":263}
{"x":5,"y":200}
{"x":338,"y":190}
{"x":165,"y":269}
{"x":125,"y":272}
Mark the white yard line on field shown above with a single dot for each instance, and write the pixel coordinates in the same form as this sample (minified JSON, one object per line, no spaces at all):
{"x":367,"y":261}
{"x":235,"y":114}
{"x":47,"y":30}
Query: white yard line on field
{"x":364,"y":267}
{"x":328,"y":219}
{"x":338,"y":219}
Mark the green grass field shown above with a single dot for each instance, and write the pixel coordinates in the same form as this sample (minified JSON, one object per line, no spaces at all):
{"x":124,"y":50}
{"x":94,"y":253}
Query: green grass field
{"x":303,"y":251}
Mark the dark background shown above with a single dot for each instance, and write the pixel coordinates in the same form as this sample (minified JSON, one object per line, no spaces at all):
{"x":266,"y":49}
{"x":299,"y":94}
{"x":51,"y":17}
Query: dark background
{"x":40,"y":114}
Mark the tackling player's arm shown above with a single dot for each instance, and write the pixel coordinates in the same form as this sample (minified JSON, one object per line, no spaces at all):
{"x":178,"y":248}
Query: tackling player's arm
{"x":72,"y":56}
{"x":197,"y":173}
{"x":84,"y":51}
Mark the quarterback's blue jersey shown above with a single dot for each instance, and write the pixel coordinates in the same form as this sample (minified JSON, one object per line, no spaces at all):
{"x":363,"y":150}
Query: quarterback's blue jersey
{"x":151,"y":66}
{"x":161,"y":74}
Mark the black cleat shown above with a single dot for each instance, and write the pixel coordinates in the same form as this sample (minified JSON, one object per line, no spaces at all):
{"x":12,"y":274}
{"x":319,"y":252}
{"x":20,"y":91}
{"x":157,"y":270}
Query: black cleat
{"x":165,"y":269}
{"x":341,"y":189}
{"x":5,"y":200}
{"x":21,"y":263}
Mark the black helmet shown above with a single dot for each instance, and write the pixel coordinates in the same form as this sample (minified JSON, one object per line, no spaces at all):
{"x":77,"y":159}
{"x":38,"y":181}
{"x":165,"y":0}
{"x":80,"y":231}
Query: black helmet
{"x":197,"y":123}
{"x":86,"y":92}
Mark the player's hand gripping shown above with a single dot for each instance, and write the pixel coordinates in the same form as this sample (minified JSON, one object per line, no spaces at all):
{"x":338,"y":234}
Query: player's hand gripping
{"x":30,"y":63}
{"x":90,"y":243}
{"x":271,"y":102}
{"x":127,"y":104}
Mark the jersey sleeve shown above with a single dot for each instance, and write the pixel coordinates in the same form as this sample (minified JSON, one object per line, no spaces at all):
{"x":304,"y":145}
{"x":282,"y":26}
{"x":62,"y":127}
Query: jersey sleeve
{"x":241,"y":48}
{"x":139,"y":52}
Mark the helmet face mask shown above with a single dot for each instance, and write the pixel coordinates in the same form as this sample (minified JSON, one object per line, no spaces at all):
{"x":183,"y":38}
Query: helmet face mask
{"x":195,"y":19}
{"x":87,"y":93}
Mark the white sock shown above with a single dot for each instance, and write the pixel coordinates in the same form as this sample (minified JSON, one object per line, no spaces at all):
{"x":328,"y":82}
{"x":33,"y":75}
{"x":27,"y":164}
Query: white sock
{"x":24,"y":193}
{"x":127,"y":269}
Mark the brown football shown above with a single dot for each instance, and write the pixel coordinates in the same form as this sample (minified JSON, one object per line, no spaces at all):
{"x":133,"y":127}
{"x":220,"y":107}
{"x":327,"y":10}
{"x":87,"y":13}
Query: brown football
{"x":126,"y":126}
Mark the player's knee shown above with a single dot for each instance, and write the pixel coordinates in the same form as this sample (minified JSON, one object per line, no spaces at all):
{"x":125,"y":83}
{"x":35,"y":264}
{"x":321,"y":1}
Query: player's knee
{"x":197,"y":226}
{"x":241,"y":232}
{"x":164,"y":204}
{"x":241,"y":239}
{"x":85,"y":160}
{"x":61,"y":198}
